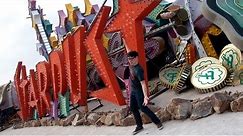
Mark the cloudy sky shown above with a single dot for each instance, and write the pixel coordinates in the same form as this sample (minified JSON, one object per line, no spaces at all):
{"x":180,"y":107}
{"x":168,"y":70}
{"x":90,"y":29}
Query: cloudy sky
{"x":18,"y":38}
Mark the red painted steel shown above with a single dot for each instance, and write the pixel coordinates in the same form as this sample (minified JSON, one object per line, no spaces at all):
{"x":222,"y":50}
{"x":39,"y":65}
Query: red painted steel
{"x":34,"y":94}
{"x":81,"y":53}
{"x":129,"y":21}
{"x":24,"y":88}
{"x":19,"y":78}
{"x":44,"y":85}
{"x":93,"y":43}
{"x":59,"y":81}
{"x":75,"y":62}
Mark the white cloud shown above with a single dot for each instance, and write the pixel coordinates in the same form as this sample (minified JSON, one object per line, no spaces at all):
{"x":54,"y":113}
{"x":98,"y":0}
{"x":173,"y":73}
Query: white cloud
{"x":17,"y":37}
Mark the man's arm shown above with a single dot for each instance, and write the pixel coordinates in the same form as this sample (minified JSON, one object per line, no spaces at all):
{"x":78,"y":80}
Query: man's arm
{"x":145,"y":92}
{"x":140,"y":77}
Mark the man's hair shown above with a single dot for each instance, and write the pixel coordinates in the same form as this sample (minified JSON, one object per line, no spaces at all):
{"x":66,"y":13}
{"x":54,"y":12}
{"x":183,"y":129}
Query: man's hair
{"x":132,"y":54}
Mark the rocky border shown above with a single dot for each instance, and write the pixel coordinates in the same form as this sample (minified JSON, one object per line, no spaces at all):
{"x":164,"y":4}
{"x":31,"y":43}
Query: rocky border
{"x":178,"y":109}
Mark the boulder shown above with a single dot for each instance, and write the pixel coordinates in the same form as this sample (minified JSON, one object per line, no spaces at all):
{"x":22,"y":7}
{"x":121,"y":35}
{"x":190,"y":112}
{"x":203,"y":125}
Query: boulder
{"x":67,"y":121}
{"x":92,"y":118}
{"x":35,"y":123}
{"x":236,"y":95}
{"x":163,"y":115}
{"x":180,"y":108}
{"x":124,"y":112}
{"x":56,"y":122}
{"x":108,"y":119}
{"x":237,"y":105}
{"x":82,"y":121}
{"x":128,"y":121}
{"x":202,"y":108}
{"x":102,"y":119}
{"x":18,"y":125}
{"x":44,"y":121}
{"x":76,"y":119}
{"x":50,"y":122}
{"x":27,"y":124}
{"x":116,"y":118}
{"x":221,"y":102}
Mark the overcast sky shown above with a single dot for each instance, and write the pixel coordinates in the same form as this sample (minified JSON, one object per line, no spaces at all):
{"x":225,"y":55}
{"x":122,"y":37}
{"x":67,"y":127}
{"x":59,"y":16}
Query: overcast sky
{"x":18,"y":38}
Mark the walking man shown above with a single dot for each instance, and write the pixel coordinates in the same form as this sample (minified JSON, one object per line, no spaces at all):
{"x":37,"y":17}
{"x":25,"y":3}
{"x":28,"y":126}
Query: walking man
{"x":139,"y":98}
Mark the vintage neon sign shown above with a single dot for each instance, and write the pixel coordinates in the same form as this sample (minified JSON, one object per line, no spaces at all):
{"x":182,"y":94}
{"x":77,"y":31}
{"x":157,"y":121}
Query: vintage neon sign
{"x":66,"y":69}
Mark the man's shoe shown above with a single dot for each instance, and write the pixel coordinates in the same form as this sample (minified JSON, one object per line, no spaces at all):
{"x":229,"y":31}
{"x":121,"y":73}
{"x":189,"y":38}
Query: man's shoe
{"x":137,"y":130}
{"x":160,"y":126}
